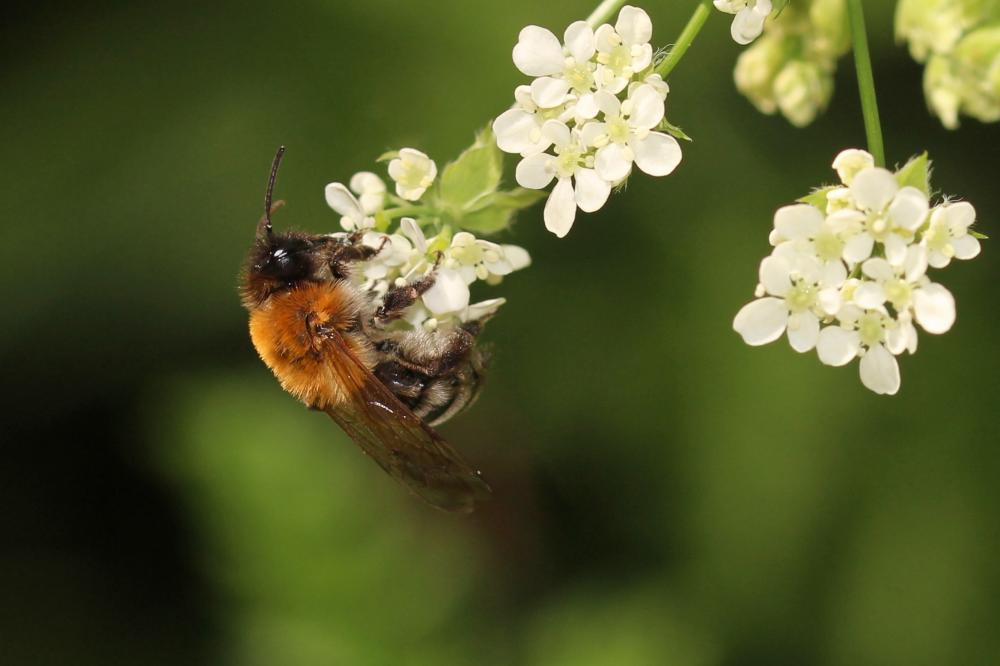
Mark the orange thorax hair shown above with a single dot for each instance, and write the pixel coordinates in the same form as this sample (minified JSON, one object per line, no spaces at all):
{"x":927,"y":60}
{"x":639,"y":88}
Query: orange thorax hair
{"x":283,"y":329}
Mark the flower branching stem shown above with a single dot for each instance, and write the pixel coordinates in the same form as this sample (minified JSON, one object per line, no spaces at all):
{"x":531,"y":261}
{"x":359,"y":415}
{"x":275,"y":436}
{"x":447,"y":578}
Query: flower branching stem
{"x":684,"y":41}
{"x":866,"y":81}
{"x":604,"y":12}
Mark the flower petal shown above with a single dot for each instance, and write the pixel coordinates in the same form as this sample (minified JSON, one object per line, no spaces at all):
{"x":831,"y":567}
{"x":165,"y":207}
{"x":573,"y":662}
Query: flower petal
{"x":647,"y":107}
{"x":548,"y":92}
{"x":935,"y":308}
{"x":858,"y":248}
{"x":874,"y":188}
{"x":613,"y":162}
{"x":634,"y":26}
{"x":449,"y":293}
{"x":579,"y":39}
{"x":535,"y":171}
{"x":869,"y":295}
{"x":966,"y":247}
{"x":960,"y":216}
{"x":761,"y":321}
{"x":774,"y":274}
{"x":878,"y":269}
{"x":747,"y":26}
{"x":339,"y":198}
{"x":837,"y":346}
{"x":592,"y":191}
{"x":879,"y":371}
{"x":800,"y":221}
{"x":560,"y":209}
{"x":908,"y":209}
{"x":514,"y":129}
{"x":538,"y":52}
{"x":895,"y":249}
{"x":658,"y":154}
{"x":517,"y":257}
{"x":803,"y":331}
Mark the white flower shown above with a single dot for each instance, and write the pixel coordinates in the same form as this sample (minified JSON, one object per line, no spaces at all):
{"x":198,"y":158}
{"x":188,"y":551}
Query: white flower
{"x":559,"y":69}
{"x":947,"y":236}
{"x":800,"y":289}
{"x":907,"y":290}
{"x":624,"y":50}
{"x":809,"y":230}
{"x":625,"y":136}
{"x":578,"y":182}
{"x":413,"y":173}
{"x":883,"y":213}
{"x":874,"y":336}
{"x":480,"y":259}
{"x":749,"y":20}
{"x":394,"y":252}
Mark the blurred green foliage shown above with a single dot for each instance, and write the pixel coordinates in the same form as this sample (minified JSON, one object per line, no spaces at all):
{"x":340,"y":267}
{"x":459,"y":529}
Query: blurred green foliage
{"x":664,"y":494}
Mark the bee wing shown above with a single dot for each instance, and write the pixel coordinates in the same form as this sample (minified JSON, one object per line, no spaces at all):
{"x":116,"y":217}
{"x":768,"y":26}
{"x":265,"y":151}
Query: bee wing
{"x":398,"y":440}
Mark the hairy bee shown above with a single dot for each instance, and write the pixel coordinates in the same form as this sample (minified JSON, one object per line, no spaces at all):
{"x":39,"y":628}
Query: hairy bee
{"x":332,"y":345}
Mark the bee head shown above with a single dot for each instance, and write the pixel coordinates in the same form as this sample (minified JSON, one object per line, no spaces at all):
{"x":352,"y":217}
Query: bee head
{"x":284,"y":258}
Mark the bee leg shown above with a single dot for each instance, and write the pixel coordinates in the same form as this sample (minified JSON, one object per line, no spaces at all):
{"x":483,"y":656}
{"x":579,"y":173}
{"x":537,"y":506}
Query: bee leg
{"x":397,"y":299}
{"x":350,"y":250}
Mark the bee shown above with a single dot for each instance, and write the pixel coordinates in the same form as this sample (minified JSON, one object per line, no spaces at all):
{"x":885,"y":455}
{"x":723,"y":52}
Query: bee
{"x":334,"y":346}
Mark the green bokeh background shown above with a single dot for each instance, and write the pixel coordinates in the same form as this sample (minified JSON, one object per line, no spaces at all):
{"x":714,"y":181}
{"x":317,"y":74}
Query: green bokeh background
{"x":664,"y":494}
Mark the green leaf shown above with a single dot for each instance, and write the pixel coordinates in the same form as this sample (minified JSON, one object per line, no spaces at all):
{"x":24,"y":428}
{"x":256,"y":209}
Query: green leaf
{"x":976,"y":234}
{"x":496,"y":211}
{"x":817,"y":198}
{"x":475,"y":174}
{"x":674,"y":130}
{"x":916,"y":173}
{"x":386,"y":157}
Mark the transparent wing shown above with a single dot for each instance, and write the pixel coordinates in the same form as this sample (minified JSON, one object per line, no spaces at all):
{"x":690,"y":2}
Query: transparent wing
{"x":395,"y":438}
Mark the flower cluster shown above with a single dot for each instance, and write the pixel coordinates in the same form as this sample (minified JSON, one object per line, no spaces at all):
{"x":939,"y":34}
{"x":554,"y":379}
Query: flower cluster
{"x":959,"y":40}
{"x":749,"y":18}
{"x":790,"y":68}
{"x":405,"y":253}
{"x":590,"y":114}
{"x":848,"y":273}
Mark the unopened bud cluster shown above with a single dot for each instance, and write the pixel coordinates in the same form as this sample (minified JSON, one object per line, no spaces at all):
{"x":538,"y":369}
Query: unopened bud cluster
{"x":959,"y":40}
{"x":790,"y":67}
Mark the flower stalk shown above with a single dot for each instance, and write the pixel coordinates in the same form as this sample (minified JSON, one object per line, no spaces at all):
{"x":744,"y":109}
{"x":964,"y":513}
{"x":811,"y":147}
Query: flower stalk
{"x":866,"y":81}
{"x":686,"y":38}
{"x":604,"y":12}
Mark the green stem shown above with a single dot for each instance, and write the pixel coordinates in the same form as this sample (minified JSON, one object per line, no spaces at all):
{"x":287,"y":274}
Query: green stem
{"x":604,"y":12}
{"x":406,"y":211}
{"x":691,"y":30}
{"x":866,"y":82}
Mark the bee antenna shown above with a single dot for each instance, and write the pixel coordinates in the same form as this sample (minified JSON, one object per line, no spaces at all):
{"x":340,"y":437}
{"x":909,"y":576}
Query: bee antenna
{"x":270,"y":188}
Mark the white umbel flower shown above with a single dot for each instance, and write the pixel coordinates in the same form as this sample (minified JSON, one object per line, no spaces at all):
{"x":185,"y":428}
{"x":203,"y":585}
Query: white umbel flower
{"x":886,"y":237}
{"x":413,"y":173}
{"x":624,"y":49}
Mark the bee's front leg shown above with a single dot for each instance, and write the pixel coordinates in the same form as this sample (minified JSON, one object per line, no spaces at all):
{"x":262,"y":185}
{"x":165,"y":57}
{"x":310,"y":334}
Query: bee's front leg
{"x":350,"y":249}
{"x":397,"y":299}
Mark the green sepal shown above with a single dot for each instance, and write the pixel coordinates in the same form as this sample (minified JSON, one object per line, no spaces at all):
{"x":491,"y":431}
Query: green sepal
{"x":674,"y":130}
{"x":916,"y":173}
{"x":976,"y":234}
{"x":778,"y":6}
{"x":817,"y":198}
{"x":387,"y":156}
{"x":474,"y":175}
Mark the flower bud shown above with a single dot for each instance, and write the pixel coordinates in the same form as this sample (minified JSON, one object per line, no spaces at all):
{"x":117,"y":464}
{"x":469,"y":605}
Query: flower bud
{"x":967,"y":80}
{"x":831,"y":30}
{"x":756,"y":69}
{"x":802,"y":90}
{"x":933,"y":26}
